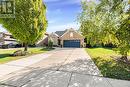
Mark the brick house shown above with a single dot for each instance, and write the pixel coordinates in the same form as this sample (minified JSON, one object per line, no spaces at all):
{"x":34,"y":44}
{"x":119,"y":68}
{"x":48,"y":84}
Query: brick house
{"x":43,"y":41}
{"x":67,"y":38}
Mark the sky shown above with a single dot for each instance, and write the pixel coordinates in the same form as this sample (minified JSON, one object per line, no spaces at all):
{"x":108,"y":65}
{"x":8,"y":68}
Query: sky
{"x":61,"y":14}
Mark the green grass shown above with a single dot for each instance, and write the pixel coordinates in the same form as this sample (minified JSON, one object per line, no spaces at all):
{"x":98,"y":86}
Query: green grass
{"x":107,"y":65}
{"x":5,"y":53}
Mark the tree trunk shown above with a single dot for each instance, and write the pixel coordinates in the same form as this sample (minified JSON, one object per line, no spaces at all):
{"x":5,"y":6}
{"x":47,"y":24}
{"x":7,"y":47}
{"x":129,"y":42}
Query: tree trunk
{"x":125,"y":59}
{"x":25,"y":47}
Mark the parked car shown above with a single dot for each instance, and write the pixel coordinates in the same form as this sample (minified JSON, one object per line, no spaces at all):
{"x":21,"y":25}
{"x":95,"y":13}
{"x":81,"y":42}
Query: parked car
{"x":5,"y":46}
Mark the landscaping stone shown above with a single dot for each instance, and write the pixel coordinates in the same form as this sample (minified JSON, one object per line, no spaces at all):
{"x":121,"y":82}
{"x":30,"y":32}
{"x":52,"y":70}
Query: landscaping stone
{"x":20,"y":53}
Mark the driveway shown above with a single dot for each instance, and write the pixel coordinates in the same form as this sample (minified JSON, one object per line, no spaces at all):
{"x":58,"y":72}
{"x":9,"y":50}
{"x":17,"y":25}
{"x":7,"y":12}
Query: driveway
{"x":65,"y":67}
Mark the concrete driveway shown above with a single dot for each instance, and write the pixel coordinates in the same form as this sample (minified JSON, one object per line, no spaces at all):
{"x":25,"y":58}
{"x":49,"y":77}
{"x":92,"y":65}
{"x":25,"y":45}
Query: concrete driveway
{"x":65,"y":67}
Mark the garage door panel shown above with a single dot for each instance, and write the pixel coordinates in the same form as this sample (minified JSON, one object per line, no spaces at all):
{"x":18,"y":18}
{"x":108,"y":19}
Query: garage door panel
{"x":72,"y":43}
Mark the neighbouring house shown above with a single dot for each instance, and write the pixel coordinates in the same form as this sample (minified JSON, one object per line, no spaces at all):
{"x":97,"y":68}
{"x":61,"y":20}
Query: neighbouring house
{"x":43,"y":41}
{"x":66,"y":38}
{"x":7,"y":39}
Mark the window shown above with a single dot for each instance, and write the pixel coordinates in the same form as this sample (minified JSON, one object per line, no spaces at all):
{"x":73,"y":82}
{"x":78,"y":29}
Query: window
{"x":11,"y":37}
{"x":71,"y":34}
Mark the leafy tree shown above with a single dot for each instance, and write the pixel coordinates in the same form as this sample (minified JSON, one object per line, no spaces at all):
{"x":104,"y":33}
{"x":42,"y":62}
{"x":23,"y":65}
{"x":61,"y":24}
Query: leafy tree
{"x":106,"y":22}
{"x":87,"y":20}
{"x":29,"y":24}
{"x":123,"y":35}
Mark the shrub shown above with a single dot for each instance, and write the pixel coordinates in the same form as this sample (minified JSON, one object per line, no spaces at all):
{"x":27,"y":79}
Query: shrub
{"x":50,"y":44}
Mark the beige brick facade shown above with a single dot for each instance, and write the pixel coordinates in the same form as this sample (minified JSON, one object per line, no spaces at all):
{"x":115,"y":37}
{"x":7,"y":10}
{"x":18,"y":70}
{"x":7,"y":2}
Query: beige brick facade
{"x":59,"y":37}
{"x":72,"y":35}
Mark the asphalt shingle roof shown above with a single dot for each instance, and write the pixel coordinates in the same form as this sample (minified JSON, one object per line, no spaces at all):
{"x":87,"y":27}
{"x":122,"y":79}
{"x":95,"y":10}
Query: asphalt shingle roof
{"x":60,"y":33}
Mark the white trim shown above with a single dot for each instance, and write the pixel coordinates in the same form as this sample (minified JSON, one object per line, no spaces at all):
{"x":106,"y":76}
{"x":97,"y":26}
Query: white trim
{"x":56,"y":34}
{"x":53,"y":33}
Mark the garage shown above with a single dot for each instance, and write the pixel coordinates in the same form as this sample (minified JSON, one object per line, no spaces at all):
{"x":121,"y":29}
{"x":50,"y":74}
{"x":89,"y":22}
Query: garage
{"x":71,"y":43}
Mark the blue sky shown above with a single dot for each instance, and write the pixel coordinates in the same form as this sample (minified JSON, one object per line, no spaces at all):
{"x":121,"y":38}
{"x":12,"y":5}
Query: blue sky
{"x":61,"y":14}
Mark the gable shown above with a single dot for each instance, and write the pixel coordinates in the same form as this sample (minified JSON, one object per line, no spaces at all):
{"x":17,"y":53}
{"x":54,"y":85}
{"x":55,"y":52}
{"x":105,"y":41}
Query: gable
{"x":72,"y":34}
{"x":53,"y":35}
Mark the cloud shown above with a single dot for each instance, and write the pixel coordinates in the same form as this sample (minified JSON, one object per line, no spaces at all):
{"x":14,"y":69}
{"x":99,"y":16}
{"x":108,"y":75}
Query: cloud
{"x":54,"y":28}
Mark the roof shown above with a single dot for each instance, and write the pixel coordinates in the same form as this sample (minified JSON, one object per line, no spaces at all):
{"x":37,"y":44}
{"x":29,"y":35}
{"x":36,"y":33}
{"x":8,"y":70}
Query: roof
{"x":60,"y":33}
{"x":6,"y":33}
{"x":53,"y":33}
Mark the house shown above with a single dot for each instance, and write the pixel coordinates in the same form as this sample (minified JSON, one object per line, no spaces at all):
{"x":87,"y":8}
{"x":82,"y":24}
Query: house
{"x":67,"y":38}
{"x":43,"y":41}
{"x":7,"y":39}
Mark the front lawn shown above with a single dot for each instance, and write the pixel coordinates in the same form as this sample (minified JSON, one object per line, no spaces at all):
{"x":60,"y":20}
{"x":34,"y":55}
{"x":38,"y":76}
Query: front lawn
{"x":107,"y":65}
{"x":5,"y":53}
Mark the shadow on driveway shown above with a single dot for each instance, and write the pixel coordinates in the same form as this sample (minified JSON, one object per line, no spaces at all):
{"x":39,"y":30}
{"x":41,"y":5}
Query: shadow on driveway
{"x":54,"y":76}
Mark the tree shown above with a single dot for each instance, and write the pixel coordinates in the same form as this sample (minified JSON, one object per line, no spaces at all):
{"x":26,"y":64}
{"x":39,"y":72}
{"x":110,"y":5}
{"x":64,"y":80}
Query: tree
{"x":98,"y":25}
{"x":87,"y":20}
{"x":29,"y":24}
{"x":106,"y":22}
{"x":123,"y":35}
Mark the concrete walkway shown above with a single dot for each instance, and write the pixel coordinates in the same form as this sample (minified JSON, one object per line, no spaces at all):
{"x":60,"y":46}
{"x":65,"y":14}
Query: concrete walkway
{"x":61,"y":68}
